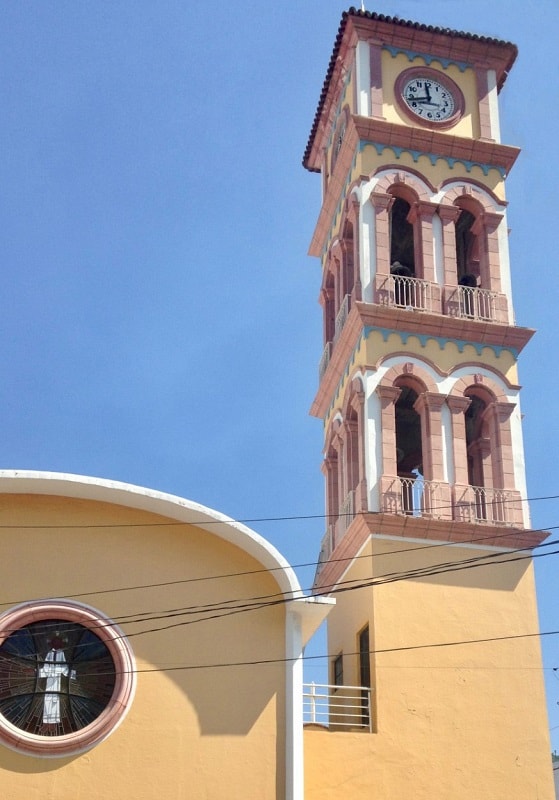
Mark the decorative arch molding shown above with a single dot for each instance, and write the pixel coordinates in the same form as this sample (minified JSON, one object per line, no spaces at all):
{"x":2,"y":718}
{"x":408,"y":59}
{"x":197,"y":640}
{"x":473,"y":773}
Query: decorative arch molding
{"x":481,"y":382}
{"x":471,"y":188}
{"x":410,"y":371}
{"x":404,"y":356}
{"x":406,"y":179}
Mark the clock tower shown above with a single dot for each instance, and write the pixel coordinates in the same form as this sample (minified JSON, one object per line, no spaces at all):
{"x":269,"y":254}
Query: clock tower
{"x":427,"y":543}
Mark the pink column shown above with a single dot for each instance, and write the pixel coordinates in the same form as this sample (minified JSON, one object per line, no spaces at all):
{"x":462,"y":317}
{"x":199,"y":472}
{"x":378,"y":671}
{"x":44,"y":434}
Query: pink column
{"x":358,"y":404}
{"x":421,"y":217}
{"x":437,"y":500}
{"x":462,"y":497}
{"x":381,"y":204}
{"x":449,"y":216}
{"x":483,"y":101}
{"x":375,"y":56}
{"x":389,"y":484}
{"x":485,"y":227}
{"x":458,"y":407}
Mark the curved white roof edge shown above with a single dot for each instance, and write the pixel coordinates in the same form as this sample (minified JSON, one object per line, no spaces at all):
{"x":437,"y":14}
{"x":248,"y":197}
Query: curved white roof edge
{"x":126,"y":494}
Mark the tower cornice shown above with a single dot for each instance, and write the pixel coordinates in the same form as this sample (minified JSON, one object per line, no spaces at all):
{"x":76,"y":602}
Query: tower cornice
{"x":468,"y":49}
{"x":365,"y":317}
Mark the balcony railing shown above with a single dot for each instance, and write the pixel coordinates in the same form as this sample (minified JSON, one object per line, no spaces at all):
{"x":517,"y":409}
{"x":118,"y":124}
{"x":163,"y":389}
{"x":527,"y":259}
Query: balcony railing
{"x":337,"y":707}
{"x":410,"y":293}
{"x":341,"y":317}
{"x":474,"y":303}
{"x":325,"y":360}
{"x":415,"y":497}
{"x":478,"y":504}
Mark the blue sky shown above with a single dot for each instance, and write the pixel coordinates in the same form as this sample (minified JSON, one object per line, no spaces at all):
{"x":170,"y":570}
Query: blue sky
{"x":160,"y":323}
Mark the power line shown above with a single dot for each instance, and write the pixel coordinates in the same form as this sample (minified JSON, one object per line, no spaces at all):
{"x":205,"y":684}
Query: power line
{"x":222,"y":576}
{"x":248,"y":520}
{"x":216,"y":611}
{"x":379,"y":651}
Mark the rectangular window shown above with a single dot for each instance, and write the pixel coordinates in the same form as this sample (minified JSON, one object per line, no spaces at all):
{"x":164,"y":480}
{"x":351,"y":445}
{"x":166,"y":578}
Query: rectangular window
{"x":338,"y":670}
{"x":364,"y":658}
{"x":365,"y":674}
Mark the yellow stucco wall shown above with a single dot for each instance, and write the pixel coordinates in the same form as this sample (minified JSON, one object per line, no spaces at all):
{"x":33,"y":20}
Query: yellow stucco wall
{"x":202,"y":733}
{"x":461,"y":722}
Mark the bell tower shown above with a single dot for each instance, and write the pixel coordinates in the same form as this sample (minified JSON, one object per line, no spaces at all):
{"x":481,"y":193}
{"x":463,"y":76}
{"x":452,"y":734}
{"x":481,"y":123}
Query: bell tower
{"x":419,"y":396}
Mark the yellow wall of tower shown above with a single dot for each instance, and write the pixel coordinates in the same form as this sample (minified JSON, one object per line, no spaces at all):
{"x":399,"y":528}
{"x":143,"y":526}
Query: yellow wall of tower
{"x":462,"y":721}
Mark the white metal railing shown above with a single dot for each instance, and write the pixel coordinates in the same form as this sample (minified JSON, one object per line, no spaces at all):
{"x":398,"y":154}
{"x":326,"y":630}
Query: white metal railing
{"x":477,"y":303}
{"x":341,"y":317}
{"x":325,"y":360}
{"x":414,"y":496}
{"x":411,"y":293}
{"x":478,"y":504}
{"x":337,"y":707}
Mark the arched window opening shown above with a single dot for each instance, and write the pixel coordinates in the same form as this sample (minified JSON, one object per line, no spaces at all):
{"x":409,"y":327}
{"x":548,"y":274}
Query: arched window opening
{"x":329,"y":295}
{"x":475,"y":440}
{"x":402,"y":245}
{"x":467,"y":250}
{"x":478,"y":448}
{"x":352,"y":450}
{"x":348,"y":277}
{"x":409,"y":450}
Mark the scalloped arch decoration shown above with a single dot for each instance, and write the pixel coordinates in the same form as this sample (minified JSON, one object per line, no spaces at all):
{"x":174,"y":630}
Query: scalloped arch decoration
{"x":404,"y":179}
{"x":487,"y":383}
{"x":416,"y":372}
{"x":467,"y":191}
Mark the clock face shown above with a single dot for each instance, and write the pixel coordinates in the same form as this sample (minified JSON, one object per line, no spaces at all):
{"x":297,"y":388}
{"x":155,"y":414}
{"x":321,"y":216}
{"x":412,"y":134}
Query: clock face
{"x":429,"y":99}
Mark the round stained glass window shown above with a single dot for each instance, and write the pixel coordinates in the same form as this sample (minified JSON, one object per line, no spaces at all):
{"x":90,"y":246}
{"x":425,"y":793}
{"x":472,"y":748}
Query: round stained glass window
{"x":66,"y":677}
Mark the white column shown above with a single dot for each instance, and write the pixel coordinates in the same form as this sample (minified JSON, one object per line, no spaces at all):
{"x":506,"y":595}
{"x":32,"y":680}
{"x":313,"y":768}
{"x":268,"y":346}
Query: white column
{"x":294,"y":763}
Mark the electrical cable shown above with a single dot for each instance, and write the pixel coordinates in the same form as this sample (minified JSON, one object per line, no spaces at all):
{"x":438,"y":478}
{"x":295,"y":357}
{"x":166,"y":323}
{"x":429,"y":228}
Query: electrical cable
{"x":253,"y":604}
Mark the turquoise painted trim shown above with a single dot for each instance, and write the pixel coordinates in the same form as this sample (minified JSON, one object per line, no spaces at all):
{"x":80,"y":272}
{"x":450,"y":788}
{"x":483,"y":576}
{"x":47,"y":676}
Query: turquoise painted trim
{"x":433,"y":157}
{"x":443,"y":341}
{"x":427,"y":58}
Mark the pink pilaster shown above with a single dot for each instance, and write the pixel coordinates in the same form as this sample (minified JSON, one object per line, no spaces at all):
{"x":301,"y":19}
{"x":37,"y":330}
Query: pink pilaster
{"x":382,"y":204}
{"x":458,"y":407}
{"x":358,"y":405}
{"x":421,"y":217}
{"x":483,"y":104}
{"x":375,"y":56}
{"x":449,"y":216}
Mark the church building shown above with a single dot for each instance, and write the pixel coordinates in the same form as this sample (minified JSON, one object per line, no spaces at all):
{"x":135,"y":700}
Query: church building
{"x":170,"y":663}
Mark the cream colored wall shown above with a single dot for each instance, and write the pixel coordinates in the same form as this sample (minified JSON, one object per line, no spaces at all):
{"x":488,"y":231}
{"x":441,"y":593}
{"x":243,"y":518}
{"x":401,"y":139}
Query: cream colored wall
{"x":204,"y":733}
{"x":461,"y":722}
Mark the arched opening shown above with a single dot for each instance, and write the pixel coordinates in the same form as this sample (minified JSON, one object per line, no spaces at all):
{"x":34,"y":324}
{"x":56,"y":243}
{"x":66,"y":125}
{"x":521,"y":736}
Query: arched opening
{"x":348,"y":276}
{"x":409,"y":450}
{"x":475,"y":439}
{"x":329,"y":305}
{"x":478,"y":449}
{"x":402,"y":243}
{"x":467,"y":250}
